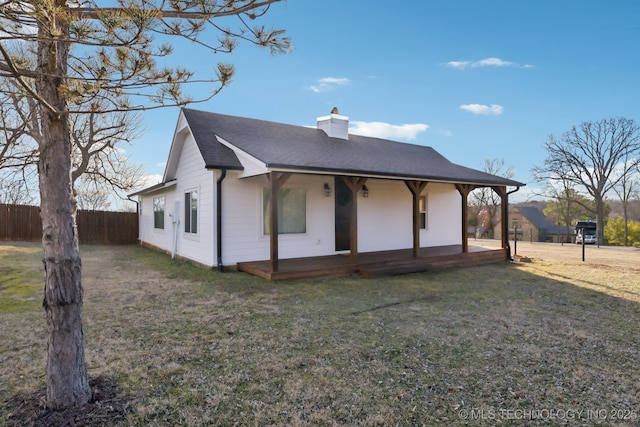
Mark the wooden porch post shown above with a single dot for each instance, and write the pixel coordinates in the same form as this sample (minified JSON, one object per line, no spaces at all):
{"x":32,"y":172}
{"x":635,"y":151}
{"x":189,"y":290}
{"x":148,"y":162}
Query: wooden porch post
{"x":274,"y":181}
{"x":416,"y":188}
{"x":355,"y":184}
{"x":504,"y":215}
{"x":464,"y":190}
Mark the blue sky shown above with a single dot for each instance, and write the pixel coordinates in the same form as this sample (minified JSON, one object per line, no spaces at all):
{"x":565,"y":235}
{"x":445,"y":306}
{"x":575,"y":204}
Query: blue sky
{"x":473,"y":79}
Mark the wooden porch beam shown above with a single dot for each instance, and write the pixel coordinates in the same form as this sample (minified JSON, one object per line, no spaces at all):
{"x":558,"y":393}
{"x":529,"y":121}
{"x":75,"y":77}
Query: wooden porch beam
{"x":355,"y":184}
{"x":416,"y":188}
{"x":281,"y":176}
{"x":464,"y":190}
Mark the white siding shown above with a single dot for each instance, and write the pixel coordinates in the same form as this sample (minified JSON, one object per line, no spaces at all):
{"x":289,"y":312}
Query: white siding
{"x":384,"y":218}
{"x":191,"y":175}
{"x":444,"y":216}
{"x":161,"y":238}
{"x":243,"y":238}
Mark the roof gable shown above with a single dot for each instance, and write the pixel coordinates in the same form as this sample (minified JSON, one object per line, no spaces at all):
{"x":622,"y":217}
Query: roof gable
{"x":215,"y":154}
{"x":536,"y":217}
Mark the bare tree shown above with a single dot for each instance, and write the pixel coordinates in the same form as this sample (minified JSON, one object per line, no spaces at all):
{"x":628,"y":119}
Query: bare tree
{"x":488,"y":201}
{"x":85,"y":52}
{"x":98,"y":138}
{"x":16,"y":153}
{"x":100,"y":167}
{"x":14,"y":187}
{"x":566,"y":200}
{"x":15,"y":150}
{"x":592,"y":156}
{"x":98,"y":157}
{"x":567,"y":207}
{"x":98,"y":154}
{"x":92,"y":197}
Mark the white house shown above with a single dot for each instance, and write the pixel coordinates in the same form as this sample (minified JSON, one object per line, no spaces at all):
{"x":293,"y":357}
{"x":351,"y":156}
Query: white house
{"x":336,"y":194}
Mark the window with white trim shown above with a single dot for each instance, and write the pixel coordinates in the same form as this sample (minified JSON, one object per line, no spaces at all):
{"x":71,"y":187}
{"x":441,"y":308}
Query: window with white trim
{"x":191,"y":212}
{"x":158,"y":212}
{"x":422,"y":208}
{"x":292,"y":210}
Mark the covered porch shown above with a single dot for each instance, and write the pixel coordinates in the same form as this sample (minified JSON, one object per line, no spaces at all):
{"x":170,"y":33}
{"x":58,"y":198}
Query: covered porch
{"x":349,"y":260}
{"x":370,"y":264}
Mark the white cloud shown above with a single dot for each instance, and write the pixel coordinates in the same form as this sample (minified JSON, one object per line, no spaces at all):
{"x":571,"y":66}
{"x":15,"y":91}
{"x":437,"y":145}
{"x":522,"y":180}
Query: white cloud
{"x":491,"y":62}
{"x":329,"y":83}
{"x":458,"y":64}
{"x":486,"y":110}
{"x":407,"y":132}
{"x":486,"y":62}
{"x":334,"y":80}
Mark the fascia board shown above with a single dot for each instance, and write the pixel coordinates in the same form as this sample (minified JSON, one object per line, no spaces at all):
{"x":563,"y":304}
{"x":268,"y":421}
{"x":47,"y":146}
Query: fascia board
{"x":182,"y":128}
{"x":252,"y":165}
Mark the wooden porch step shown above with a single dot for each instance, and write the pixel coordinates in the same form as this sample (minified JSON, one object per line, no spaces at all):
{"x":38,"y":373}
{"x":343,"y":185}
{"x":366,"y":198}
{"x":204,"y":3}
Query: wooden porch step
{"x":326,"y":272}
{"x":386,"y":269}
{"x":425,"y":264}
{"x":261,"y":269}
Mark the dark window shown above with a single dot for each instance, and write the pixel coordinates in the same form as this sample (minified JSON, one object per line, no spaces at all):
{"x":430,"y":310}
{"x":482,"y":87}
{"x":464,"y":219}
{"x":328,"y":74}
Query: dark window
{"x":422,"y":207}
{"x":158,"y":212}
{"x":191,"y":212}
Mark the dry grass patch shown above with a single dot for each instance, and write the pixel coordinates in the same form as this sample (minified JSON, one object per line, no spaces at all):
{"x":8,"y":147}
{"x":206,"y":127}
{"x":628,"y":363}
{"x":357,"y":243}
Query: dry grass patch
{"x":18,"y":269}
{"x":195,"y":347}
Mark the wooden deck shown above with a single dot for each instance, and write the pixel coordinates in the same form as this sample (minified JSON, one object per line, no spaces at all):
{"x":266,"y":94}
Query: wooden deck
{"x":371,"y":264}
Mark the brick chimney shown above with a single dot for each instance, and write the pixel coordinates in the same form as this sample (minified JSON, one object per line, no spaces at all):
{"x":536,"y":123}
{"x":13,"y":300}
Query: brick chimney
{"x":335,"y":125}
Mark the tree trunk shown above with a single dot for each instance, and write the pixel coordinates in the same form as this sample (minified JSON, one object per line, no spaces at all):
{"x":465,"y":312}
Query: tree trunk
{"x":625,"y":215}
{"x":599,"y":220}
{"x":66,"y":373}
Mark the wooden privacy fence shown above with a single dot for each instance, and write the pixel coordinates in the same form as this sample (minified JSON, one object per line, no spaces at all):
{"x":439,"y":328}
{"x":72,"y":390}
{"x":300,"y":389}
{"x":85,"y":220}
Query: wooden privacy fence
{"x":22,"y":223}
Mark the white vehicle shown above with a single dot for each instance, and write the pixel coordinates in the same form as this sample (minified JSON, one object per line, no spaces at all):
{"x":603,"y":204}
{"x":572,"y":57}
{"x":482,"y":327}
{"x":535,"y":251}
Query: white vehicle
{"x":588,"y":229}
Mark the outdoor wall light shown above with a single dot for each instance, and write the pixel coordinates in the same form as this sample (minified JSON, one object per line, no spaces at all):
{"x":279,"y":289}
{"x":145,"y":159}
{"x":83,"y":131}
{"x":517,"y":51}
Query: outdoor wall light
{"x":327,"y":190}
{"x":365,"y":191}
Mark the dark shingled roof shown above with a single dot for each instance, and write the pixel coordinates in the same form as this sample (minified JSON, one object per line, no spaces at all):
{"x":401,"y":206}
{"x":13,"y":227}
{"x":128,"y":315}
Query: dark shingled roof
{"x":281,"y":146}
{"x":215,"y":155}
{"x":536,"y":217}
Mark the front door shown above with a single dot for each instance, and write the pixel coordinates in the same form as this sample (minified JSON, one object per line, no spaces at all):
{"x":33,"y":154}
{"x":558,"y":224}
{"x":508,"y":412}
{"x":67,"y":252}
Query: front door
{"x":343,"y":201}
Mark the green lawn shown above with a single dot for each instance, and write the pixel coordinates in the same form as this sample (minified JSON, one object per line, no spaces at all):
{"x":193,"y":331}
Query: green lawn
{"x":546,"y":343}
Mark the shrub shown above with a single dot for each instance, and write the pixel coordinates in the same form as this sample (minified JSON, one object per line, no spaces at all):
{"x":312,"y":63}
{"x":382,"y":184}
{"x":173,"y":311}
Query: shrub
{"x":614,"y":232}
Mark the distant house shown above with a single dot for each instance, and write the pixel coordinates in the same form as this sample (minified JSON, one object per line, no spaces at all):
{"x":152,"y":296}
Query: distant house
{"x":287,"y":201}
{"x":533,"y":225}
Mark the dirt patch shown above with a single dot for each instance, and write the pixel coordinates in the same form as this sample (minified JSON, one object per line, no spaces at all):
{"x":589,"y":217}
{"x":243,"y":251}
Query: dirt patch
{"x":428,"y":298}
{"x":106,"y":406}
{"x":612,"y":256}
